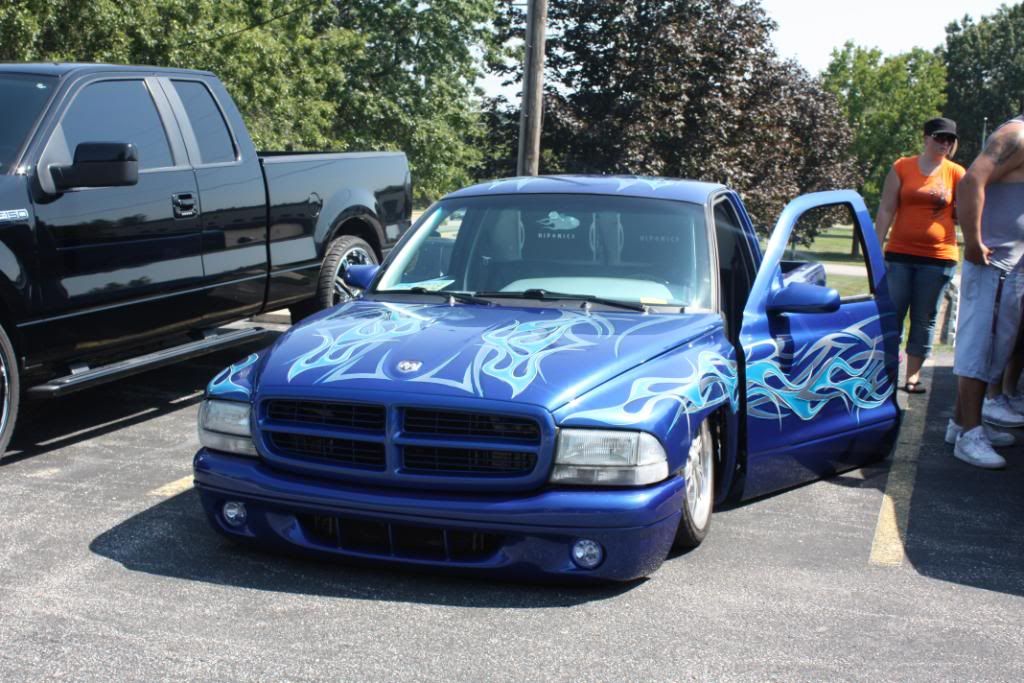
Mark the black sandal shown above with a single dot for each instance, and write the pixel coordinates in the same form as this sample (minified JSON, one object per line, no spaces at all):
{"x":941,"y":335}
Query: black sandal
{"x":914,"y":388}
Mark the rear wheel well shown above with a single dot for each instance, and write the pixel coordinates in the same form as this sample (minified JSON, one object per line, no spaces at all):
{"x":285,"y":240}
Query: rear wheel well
{"x":361,"y":228}
{"x":9,"y":327}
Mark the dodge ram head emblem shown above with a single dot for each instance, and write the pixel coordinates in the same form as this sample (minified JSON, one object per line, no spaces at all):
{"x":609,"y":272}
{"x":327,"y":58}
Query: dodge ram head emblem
{"x":409,"y":365}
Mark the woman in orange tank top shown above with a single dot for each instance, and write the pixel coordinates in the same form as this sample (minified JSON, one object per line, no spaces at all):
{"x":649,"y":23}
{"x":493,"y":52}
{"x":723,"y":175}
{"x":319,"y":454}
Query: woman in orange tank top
{"x":918,"y":203}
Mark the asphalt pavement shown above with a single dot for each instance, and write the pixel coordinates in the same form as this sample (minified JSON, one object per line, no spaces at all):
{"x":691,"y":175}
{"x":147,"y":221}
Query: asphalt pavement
{"x":911,"y":570}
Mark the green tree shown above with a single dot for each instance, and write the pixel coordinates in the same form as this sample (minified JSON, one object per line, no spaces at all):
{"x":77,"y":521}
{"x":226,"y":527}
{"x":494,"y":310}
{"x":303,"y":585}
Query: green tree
{"x":885,"y":102}
{"x":985,"y":62}
{"x":321,"y":74}
{"x":690,"y":89}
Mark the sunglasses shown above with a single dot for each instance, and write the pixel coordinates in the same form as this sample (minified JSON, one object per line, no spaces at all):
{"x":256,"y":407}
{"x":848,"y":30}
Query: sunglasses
{"x":945,"y":138}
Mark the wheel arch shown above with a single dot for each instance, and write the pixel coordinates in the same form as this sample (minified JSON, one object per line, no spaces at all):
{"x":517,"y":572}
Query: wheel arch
{"x":356,"y":219}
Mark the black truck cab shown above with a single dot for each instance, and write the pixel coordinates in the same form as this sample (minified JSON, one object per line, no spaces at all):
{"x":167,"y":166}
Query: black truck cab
{"x":136,"y":214}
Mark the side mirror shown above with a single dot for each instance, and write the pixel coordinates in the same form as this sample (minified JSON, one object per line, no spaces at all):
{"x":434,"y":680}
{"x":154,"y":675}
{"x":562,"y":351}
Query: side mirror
{"x":360,"y":276}
{"x":801,"y":297}
{"x":99,"y":164}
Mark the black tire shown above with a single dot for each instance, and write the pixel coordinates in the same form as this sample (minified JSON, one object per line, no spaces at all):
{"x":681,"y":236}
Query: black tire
{"x":699,"y":500}
{"x":331,"y":289}
{"x":10,"y":391}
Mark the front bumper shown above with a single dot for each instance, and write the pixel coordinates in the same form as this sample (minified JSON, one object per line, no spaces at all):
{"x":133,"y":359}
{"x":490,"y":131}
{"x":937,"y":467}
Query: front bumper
{"x":516,"y":535}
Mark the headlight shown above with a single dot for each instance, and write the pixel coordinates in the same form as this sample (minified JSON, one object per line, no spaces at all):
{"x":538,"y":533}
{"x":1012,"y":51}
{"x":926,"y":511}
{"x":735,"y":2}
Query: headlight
{"x":224,"y":426}
{"x":608,"y":458}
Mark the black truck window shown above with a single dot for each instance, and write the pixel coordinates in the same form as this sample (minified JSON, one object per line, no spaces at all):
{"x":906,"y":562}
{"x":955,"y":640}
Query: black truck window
{"x":23,"y":98}
{"x":212,"y":136}
{"x":118,"y":111}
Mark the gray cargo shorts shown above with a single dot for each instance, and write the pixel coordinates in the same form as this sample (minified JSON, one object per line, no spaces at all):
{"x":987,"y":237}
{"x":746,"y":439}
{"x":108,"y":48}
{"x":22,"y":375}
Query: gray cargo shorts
{"x":985,"y":337}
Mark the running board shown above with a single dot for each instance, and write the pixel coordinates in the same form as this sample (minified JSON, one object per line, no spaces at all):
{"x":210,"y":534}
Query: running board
{"x":82,"y":379}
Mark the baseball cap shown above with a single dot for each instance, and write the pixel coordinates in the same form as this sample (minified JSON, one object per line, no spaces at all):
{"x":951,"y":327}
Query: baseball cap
{"x":940,"y":125}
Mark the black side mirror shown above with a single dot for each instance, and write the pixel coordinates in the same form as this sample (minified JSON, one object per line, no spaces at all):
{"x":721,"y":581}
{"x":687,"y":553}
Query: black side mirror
{"x":99,"y":164}
{"x":802,"y":297}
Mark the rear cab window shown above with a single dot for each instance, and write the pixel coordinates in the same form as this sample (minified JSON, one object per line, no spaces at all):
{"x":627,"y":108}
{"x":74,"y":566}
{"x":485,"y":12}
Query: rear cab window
{"x":212,"y":136}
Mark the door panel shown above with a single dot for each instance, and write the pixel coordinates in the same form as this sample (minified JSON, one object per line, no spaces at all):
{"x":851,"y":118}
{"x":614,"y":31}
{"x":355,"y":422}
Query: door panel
{"x":116,"y":264}
{"x":819,"y":386}
{"x":233,"y":197}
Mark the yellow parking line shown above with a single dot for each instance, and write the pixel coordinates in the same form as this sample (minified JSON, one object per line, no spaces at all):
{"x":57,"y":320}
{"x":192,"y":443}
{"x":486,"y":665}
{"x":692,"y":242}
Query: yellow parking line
{"x":173,"y":488}
{"x":887,"y":548}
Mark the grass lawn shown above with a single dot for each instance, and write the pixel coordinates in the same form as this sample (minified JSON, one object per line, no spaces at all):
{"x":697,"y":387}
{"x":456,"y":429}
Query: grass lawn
{"x":849,"y":285}
{"x":833,"y":245}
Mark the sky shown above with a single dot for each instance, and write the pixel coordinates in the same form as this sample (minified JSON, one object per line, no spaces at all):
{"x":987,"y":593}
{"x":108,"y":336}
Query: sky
{"x":810,"y":29}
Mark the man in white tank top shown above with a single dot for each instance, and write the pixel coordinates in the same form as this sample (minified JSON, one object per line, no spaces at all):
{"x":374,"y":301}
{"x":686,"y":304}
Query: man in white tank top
{"x":990,"y":206}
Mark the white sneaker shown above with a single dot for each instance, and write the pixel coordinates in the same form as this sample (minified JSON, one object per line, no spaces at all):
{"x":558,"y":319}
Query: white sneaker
{"x":997,"y":411}
{"x":972,"y":447}
{"x":996,"y":437}
{"x":1016,"y":402}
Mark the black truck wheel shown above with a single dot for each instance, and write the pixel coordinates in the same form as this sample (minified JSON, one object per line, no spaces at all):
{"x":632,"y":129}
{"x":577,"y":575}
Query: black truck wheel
{"x":10,"y":391}
{"x":345,"y":251}
{"x":700,"y":490}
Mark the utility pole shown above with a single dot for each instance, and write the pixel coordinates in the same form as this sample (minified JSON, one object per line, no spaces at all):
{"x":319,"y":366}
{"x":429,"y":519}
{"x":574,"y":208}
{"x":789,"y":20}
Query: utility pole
{"x":530,"y":117}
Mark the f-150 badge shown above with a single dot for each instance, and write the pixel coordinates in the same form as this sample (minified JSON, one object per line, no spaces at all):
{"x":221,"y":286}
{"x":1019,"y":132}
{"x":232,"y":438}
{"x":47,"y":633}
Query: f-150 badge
{"x":13,"y":216}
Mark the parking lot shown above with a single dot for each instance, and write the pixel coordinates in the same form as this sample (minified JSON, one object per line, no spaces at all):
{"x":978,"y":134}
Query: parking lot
{"x":910,"y":570}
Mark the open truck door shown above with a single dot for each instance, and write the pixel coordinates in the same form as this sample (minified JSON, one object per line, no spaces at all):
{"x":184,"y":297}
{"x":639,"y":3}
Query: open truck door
{"x":819,"y":370}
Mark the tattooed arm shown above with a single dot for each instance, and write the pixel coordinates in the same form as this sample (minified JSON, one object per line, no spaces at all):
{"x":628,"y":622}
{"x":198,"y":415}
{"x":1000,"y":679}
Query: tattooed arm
{"x":1002,"y":159}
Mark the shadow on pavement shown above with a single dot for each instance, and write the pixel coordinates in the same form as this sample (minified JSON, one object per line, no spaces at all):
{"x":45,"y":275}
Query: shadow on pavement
{"x":966,"y":525}
{"x":48,"y":425}
{"x":173,"y":539}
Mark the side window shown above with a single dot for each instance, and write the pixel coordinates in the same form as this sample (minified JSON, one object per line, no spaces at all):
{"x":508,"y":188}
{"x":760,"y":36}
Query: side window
{"x":825,"y":248}
{"x":118,"y":111}
{"x":212,"y":135}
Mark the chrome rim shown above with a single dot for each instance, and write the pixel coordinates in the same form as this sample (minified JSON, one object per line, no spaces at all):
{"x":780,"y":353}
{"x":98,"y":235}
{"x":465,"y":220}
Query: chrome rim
{"x":356,"y":256}
{"x":5,"y":411}
{"x":698,"y":481}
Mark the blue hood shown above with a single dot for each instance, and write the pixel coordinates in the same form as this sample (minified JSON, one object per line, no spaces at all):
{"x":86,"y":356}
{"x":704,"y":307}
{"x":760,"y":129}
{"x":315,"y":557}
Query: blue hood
{"x":541,"y":356}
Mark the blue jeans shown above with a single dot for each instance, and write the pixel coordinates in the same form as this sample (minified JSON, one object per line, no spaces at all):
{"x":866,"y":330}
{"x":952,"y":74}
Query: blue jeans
{"x":917,"y":287}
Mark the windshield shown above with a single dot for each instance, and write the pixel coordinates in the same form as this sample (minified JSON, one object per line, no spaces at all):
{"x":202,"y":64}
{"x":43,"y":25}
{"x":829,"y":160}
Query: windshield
{"x":643,"y":251}
{"x":23,"y":99}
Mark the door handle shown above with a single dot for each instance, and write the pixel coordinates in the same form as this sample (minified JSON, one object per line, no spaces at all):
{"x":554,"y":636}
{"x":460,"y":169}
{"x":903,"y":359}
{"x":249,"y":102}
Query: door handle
{"x":184,"y":204}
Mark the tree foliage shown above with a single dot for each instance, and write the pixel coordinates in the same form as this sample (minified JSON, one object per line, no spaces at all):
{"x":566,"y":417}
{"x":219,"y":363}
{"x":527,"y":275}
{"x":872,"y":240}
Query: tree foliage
{"x":690,"y":88}
{"x":322,"y":74}
{"x":986,"y":74}
{"x":885,"y":102}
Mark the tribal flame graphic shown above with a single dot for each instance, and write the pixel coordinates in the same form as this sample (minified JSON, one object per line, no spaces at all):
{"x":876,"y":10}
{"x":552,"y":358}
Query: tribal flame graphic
{"x":227,"y":381}
{"x":349,"y":338}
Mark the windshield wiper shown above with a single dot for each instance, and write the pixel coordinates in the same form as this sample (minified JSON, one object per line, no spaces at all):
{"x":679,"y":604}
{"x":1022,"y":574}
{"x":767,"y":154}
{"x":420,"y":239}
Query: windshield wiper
{"x":544,"y":295}
{"x":461,"y":297}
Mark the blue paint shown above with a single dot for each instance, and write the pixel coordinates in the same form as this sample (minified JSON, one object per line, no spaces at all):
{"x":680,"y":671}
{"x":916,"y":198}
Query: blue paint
{"x":234,"y":382}
{"x":814,"y":390}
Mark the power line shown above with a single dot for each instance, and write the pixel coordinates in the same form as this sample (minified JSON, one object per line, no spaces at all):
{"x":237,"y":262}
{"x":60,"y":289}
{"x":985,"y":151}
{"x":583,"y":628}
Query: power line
{"x":250,"y":28}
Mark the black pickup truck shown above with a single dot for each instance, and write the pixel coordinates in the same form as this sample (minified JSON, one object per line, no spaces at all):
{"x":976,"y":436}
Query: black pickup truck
{"x":137,"y":218}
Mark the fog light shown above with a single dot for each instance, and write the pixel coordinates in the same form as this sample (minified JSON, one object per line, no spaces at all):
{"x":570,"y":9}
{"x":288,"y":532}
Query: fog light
{"x":587,"y":554}
{"x":234,"y":513}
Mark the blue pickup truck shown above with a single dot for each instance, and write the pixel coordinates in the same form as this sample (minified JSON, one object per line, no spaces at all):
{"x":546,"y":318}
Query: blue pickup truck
{"x":554,"y":376}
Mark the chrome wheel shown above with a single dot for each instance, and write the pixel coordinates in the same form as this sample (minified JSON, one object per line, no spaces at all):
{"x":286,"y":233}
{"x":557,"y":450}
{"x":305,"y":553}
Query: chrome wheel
{"x":5,"y":397}
{"x":699,"y":474}
{"x":10,"y":390}
{"x":354,"y":256}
